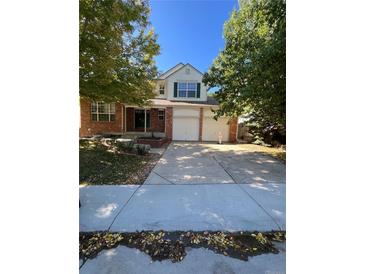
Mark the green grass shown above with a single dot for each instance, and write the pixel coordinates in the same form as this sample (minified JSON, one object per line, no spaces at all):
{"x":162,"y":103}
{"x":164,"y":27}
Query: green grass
{"x":101,"y":164}
{"x":278,"y":153}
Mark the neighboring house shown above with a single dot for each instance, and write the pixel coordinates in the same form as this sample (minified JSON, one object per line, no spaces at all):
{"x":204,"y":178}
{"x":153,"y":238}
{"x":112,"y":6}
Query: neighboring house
{"x":180,"y":111}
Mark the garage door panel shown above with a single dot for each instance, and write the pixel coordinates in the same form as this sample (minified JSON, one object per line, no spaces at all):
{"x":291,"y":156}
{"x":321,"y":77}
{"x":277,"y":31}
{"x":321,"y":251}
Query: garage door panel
{"x":185,"y":129}
{"x":186,"y":113}
{"x":211,"y":129}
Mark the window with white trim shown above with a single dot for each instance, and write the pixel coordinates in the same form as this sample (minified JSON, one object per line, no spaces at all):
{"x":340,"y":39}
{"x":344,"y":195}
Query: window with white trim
{"x":161,"y":115}
{"x":187,"y":89}
{"x":102,"y":112}
{"x":162,"y":89}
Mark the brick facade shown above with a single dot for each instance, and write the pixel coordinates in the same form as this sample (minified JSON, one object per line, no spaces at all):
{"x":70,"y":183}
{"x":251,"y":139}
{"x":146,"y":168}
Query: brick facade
{"x":130,"y":119}
{"x":89,"y":127}
{"x":169,"y":121}
{"x":156,"y":124}
{"x":124,"y":123}
{"x":233,"y":130}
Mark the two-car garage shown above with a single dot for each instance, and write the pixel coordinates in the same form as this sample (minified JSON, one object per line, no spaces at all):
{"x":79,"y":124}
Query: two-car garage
{"x":186,"y":125}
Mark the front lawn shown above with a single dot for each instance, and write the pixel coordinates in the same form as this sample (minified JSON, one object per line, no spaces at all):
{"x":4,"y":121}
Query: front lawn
{"x":102,"y":163}
{"x":276,"y":152}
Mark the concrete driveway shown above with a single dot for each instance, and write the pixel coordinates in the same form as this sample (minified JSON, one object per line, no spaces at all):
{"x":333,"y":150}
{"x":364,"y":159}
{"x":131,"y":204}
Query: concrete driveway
{"x":194,"y":187}
{"x":194,"y":163}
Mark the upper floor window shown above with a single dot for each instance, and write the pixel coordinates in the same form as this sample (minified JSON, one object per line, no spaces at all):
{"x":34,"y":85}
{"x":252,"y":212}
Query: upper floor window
{"x":187,"y":89}
{"x":102,"y":112}
{"x":162,"y":89}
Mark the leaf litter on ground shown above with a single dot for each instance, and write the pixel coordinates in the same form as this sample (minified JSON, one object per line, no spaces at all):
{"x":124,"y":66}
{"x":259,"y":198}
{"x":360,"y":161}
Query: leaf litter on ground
{"x":161,"y":245}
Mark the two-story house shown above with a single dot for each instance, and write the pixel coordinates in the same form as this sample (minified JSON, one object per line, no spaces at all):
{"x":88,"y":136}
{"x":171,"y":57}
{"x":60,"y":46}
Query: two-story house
{"x":181,"y":110}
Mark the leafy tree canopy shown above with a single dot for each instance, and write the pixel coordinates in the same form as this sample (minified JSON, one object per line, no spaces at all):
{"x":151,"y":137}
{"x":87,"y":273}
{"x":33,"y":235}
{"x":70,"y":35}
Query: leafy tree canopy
{"x":250,"y":71}
{"x":117,"y":48}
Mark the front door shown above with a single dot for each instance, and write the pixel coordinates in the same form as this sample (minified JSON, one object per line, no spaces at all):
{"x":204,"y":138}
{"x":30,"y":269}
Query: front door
{"x":139,"y":116}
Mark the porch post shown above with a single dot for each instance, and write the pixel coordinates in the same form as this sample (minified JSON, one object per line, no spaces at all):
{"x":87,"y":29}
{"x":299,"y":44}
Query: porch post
{"x":125,"y":118}
{"x":145,"y":120}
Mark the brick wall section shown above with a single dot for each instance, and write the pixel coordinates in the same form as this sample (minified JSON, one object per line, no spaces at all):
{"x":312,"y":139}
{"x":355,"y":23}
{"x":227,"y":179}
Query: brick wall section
{"x":169,"y":121}
{"x":233,"y":130}
{"x":98,"y":127}
{"x":201,"y":116}
{"x":130,"y":119}
{"x":154,"y":120}
{"x":156,"y":124}
{"x":161,"y":124}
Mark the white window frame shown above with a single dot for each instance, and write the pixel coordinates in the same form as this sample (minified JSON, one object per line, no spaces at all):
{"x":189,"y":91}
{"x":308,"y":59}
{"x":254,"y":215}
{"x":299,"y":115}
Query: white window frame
{"x":162,"y":88}
{"x":187,"y":89}
{"x":108,"y":111}
{"x":161,"y":115}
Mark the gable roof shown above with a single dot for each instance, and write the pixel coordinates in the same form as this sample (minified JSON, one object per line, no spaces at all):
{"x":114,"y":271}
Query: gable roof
{"x":174,"y":69}
{"x":170,"y":71}
{"x":194,"y":68}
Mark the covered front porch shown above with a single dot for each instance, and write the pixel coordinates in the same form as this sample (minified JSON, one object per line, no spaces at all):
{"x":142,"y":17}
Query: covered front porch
{"x":146,"y":121}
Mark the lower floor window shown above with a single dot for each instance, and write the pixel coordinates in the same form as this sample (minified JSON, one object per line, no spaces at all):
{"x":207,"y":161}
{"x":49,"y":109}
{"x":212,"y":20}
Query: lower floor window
{"x":101,"y":111}
{"x":161,"y":115}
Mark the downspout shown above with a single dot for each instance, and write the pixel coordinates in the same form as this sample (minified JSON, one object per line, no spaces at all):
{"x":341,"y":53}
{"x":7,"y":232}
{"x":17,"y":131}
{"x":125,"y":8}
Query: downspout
{"x":145,"y":120}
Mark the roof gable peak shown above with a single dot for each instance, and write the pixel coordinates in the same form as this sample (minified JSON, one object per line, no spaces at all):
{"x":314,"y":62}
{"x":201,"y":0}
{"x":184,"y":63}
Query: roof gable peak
{"x":168,"y":72}
{"x":176,"y":68}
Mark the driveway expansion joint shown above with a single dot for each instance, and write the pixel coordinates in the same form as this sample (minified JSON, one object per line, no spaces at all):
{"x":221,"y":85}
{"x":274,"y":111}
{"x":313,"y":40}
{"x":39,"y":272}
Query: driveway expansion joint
{"x":247,"y":192}
{"x":260,"y":206}
{"x":116,"y":216}
{"x":83,"y":263}
{"x":163,"y":178}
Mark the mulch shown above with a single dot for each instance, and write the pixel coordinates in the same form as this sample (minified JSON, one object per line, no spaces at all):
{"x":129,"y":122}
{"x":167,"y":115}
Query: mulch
{"x":161,"y":245}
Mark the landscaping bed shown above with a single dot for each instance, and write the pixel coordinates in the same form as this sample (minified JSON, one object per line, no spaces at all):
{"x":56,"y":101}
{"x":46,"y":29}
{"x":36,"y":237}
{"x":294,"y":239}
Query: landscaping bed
{"x":154,"y":142}
{"x":109,"y":162}
{"x":163,"y":245}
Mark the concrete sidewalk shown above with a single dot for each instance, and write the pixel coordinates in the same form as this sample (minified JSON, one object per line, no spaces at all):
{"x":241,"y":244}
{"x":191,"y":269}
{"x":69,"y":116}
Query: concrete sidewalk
{"x":101,"y":204}
{"x":227,"y":207}
{"x":132,"y":261}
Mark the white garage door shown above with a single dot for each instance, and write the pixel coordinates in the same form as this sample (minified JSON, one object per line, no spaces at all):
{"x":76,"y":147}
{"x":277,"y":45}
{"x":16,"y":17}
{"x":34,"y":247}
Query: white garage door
{"x":211,"y":127}
{"x":185,"y":125}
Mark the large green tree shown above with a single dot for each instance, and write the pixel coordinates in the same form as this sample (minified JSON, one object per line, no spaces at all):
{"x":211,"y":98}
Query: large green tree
{"x":250,"y":71}
{"x":117,"y":48}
